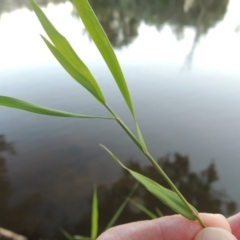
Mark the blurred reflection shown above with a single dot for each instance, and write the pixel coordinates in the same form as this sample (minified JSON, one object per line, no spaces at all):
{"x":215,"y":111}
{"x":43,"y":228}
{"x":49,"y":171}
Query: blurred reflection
{"x":196,"y":187}
{"x":208,"y":13}
{"x":121,"y":18}
{"x":11,"y":5}
{"x":35,"y":218}
{"x":22,"y":218}
{"x":5,"y":187}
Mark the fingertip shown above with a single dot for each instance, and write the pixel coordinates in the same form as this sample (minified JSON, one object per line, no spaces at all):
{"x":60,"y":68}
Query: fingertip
{"x":215,"y":220}
{"x":211,"y":233}
{"x":234,"y":222}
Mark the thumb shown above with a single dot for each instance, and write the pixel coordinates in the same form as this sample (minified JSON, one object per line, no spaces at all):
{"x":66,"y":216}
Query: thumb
{"x":211,"y":233}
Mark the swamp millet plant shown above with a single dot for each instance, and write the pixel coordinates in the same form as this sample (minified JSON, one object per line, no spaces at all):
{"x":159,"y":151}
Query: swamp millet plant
{"x":72,"y":63}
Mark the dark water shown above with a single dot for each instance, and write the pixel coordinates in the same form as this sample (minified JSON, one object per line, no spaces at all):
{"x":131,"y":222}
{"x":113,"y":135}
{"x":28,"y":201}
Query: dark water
{"x":183,"y":72}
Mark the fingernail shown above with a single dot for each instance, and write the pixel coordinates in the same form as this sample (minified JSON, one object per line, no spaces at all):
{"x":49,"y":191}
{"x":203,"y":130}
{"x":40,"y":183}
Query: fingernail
{"x":211,"y":233}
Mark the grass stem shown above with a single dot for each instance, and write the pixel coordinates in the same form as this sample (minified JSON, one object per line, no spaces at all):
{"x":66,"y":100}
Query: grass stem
{"x":156,"y":166}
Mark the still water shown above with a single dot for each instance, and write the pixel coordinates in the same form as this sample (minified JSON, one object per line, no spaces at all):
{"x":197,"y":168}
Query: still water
{"x":181,"y":62}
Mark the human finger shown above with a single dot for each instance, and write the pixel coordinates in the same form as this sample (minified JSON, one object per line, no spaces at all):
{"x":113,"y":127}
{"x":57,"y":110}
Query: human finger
{"x":234,"y":222}
{"x":173,"y":227}
{"x":213,"y":233}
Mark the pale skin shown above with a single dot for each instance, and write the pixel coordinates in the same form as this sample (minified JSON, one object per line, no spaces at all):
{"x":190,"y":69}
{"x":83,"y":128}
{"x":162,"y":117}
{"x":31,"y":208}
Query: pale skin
{"x":172,"y":227}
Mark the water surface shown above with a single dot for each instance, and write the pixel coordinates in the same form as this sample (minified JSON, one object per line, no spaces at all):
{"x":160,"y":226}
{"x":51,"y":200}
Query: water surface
{"x":183,"y":72}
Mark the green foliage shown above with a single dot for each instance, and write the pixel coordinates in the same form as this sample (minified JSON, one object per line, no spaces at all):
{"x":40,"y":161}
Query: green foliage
{"x":197,"y":186}
{"x":66,"y":56}
{"x":30,"y":107}
{"x":67,"y":235}
{"x":120,"y":209}
{"x":101,"y":40}
{"x":94,"y":220}
{"x":94,"y":230}
{"x":168,"y":197}
{"x":143,"y":209}
{"x":104,"y":46}
{"x":159,"y":212}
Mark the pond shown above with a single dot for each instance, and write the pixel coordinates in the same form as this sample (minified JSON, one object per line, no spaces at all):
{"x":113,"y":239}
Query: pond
{"x":181,"y":61}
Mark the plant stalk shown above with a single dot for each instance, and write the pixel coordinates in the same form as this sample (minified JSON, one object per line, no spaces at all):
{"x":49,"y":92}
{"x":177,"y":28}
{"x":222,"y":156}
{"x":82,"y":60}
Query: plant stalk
{"x":125,"y":128}
{"x":174,"y":188}
{"x":156,"y":166}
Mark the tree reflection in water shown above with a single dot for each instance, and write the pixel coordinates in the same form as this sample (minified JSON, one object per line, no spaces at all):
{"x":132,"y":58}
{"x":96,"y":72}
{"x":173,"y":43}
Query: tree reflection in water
{"x":22,"y":218}
{"x":196,"y":187}
{"x":32,"y":220}
{"x":5,"y":187}
{"x":121,"y":18}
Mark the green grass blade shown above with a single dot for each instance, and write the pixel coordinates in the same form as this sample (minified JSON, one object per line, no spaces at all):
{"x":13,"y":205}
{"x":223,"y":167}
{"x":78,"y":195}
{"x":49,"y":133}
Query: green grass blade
{"x":141,"y":140}
{"x":168,"y":197}
{"x":63,"y":46}
{"x":94,"y":227}
{"x":143,"y":209}
{"x":30,"y":107}
{"x":72,"y":70}
{"x":159,"y":212}
{"x":67,"y":235}
{"x":125,"y":128}
{"x":120,"y":209}
{"x":72,"y":62}
{"x":101,"y":40}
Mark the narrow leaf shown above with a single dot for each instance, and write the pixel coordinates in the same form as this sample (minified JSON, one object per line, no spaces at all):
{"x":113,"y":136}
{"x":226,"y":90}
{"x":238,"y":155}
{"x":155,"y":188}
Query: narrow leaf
{"x":64,"y":47}
{"x":141,"y":140}
{"x":30,"y":107}
{"x":167,"y":196}
{"x":72,"y":70}
{"x":159,"y":212}
{"x":94,"y":230}
{"x":101,"y":40}
{"x":120,"y":209}
{"x":67,"y":235}
{"x":143,"y":209}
